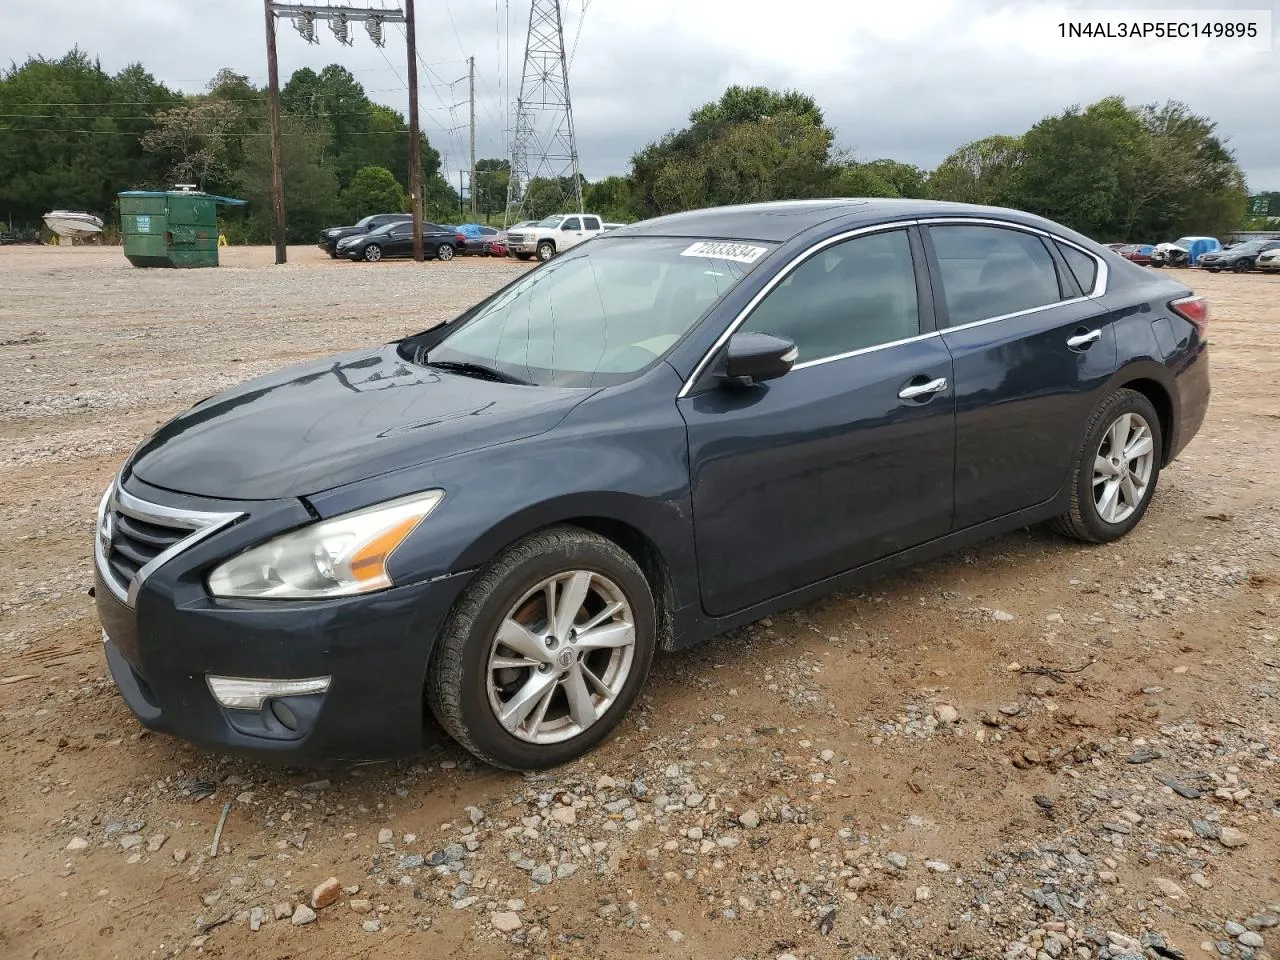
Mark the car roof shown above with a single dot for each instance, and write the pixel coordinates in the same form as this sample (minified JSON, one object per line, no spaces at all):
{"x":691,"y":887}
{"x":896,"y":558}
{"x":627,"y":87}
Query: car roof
{"x":781,"y":220}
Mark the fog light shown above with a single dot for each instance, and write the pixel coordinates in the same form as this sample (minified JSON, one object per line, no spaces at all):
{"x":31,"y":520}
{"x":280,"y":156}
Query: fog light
{"x":280,"y":710}
{"x":245,"y":693}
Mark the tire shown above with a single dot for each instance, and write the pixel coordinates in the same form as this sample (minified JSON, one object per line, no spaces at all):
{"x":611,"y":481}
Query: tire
{"x":1084,"y":520}
{"x":546,"y":250}
{"x":444,"y":251}
{"x":1213,"y":269}
{"x":372,"y":253}
{"x":1241,"y":266}
{"x":463,"y":691}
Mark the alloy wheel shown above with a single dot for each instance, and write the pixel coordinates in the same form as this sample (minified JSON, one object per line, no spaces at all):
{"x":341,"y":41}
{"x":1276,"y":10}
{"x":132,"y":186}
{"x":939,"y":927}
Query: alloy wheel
{"x":1122,"y":467}
{"x":561,"y":657}
{"x":444,"y":252}
{"x":373,"y":253}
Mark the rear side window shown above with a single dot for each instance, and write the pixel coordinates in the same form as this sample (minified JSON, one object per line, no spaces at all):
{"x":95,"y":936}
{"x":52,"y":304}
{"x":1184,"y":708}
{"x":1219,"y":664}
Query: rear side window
{"x":1083,"y":267}
{"x":852,"y":295}
{"x":590,"y":223}
{"x":992,"y":271}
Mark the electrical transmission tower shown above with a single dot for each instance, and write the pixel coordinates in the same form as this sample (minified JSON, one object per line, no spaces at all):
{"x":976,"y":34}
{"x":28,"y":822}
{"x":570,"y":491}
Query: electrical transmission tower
{"x":544,"y":147}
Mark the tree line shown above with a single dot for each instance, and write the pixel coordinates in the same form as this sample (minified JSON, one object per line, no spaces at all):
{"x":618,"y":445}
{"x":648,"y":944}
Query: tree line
{"x":72,"y":136}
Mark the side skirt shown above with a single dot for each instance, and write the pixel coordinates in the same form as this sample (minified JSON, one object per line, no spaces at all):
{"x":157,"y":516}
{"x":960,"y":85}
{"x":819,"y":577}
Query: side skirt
{"x":693,"y":626}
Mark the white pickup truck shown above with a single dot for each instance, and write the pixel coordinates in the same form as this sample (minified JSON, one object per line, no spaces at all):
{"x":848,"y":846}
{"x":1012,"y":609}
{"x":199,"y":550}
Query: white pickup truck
{"x":553,"y":235}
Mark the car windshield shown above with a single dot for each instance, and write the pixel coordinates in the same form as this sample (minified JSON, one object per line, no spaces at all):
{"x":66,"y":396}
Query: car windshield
{"x":601,"y":316}
{"x":551,"y":221}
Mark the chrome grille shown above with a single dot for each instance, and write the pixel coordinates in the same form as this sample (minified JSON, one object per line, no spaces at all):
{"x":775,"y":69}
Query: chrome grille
{"x":515,"y":238}
{"x":134,"y":538}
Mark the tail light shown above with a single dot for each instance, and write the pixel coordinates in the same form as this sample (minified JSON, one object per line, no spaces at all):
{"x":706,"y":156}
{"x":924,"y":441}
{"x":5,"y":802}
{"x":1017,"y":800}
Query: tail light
{"x":1193,"y":309}
{"x":462,"y":238}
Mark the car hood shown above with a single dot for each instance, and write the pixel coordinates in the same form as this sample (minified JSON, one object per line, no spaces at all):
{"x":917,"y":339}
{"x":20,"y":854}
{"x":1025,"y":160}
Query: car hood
{"x":334,"y":421}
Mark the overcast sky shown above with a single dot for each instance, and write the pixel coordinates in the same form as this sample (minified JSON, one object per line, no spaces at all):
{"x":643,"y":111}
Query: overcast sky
{"x":908,"y":80}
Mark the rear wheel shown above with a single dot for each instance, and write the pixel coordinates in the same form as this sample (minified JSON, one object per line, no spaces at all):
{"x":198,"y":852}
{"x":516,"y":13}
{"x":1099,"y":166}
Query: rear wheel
{"x":373,"y":253}
{"x":545,"y":652}
{"x":1116,"y":470}
{"x":444,"y":251}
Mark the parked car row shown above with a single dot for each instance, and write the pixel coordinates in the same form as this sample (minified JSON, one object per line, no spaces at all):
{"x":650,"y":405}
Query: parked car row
{"x":1260,"y":253}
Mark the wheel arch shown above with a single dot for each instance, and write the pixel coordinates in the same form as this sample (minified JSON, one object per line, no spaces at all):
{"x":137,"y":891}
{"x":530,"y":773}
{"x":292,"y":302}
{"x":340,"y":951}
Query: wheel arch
{"x":1160,"y":398}
{"x":650,"y":532}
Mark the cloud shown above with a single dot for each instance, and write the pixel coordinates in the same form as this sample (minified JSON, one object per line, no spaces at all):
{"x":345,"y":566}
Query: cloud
{"x":907,"y":81}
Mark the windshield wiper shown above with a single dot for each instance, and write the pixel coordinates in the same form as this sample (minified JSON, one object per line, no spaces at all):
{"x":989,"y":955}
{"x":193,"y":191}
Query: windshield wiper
{"x":478,"y":370}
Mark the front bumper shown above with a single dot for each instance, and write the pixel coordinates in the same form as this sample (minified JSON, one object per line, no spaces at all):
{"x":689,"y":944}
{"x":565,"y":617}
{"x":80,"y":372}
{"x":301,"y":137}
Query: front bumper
{"x":375,"y":648}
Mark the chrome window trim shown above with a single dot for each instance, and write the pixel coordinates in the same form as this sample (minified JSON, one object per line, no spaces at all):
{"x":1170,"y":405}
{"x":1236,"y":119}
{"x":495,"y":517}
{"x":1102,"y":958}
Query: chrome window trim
{"x":777,"y":278}
{"x":1099,"y":288}
{"x":202,"y":524}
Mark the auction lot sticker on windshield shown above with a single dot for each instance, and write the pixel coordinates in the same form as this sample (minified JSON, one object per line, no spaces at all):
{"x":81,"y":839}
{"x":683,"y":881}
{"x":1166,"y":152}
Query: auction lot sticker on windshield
{"x":741,"y":252}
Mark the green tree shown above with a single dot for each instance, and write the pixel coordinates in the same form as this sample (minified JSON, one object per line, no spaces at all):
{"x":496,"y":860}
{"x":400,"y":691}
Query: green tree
{"x":69,"y":135}
{"x":195,"y":140}
{"x":374,"y":190}
{"x":612,"y":198}
{"x":751,"y":144}
{"x":860,"y":180}
{"x":311,"y":193}
{"x":905,"y":179}
{"x":492,"y":178}
{"x":978,"y":172}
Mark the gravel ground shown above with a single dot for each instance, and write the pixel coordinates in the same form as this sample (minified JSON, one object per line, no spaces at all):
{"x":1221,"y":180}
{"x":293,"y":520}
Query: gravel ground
{"x":1029,"y":749}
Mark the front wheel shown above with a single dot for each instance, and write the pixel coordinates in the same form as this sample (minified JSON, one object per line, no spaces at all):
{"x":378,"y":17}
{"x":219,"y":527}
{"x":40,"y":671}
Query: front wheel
{"x":1116,"y":469}
{"x":373,"y":253}
{"x":545,"y":651}
{"x":546,"y":250}
{"x":444,"y":252}
{"x":1240,"y":266}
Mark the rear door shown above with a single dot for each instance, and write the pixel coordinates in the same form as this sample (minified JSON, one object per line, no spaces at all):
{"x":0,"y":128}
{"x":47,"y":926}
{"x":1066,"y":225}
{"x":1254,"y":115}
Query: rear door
{"x":849,"y":456}
{"x":1031,"y":355}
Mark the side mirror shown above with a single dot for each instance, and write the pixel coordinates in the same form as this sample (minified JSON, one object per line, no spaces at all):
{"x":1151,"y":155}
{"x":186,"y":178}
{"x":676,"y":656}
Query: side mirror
{"x":752,"y":358}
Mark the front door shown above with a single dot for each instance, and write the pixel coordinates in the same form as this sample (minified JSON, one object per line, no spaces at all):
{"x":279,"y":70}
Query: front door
{"x":1031,"y":357}
{"x":570,"y":234}
{"x":847,"y":458}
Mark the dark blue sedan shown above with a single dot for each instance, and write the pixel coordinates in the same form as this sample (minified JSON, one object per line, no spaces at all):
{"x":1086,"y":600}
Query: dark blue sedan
{"x":677,"y":428}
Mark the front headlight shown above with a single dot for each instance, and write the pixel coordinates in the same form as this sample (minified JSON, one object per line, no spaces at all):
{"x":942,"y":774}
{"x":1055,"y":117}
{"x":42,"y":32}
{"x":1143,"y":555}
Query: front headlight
{"x":333,"y":558}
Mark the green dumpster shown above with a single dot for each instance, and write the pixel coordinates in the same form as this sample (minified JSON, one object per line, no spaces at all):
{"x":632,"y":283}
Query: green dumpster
{"x":171,"y":228}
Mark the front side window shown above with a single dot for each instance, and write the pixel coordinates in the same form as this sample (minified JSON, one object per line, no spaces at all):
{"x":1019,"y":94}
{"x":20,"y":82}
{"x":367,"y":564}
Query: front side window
{"x":596,"y":317}
{"x":852,"y":295}
{"x":573,"y":223}
{"x":993,"y":271}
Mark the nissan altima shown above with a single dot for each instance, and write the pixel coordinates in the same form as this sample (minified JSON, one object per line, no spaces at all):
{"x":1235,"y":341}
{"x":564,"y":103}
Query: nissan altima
{"x":680,"y":427}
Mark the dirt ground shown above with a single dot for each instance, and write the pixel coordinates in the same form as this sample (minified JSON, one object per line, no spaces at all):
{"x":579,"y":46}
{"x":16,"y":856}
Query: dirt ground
{"x":887,"y":773}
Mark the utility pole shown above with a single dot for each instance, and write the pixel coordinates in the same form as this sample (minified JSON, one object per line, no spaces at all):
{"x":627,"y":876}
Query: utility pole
{"x":461,"y":213}
{"x":415,"y":149}
{"x":304,"y":17}
{"x":471,"y":61}
{"x":273,"y":121}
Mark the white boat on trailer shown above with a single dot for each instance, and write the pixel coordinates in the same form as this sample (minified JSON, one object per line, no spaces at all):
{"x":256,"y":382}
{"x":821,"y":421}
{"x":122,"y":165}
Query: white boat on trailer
{"x":73,"y":224}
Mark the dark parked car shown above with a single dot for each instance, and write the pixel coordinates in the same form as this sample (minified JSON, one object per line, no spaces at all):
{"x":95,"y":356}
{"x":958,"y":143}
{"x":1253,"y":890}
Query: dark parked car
{"x":396,"y":240}
{"x":674,"y":429}
{"x":477,"y":239}
{"x":331,"y":236}
{"x":1239,"y":257}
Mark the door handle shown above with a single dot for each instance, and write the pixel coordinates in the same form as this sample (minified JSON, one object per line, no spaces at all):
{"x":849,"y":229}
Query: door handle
{"x":1084,"y":339}
{"x":914,"y":391}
